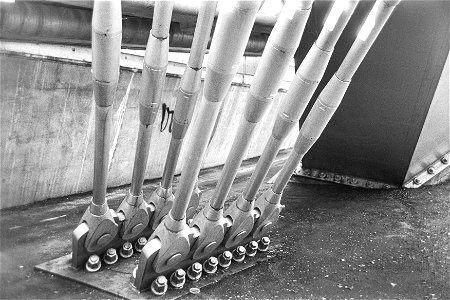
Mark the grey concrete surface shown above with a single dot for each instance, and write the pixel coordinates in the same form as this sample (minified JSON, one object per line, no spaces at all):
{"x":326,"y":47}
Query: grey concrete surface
{"x":336,"y":242}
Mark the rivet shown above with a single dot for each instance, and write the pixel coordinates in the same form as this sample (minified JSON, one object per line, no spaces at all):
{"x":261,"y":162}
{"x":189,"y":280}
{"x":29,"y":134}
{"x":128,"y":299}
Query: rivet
{"x":430,"y":170}
{"x":444,"y":160}
{"x":416,"y":180}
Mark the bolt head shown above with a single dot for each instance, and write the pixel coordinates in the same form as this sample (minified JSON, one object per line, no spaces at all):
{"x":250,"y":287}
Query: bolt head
{"x":161,"y":280}
{"x":444,"y":160}
{"x":197,"y":267}
{"x":140,"y":243}
{"x":178,"y":278}
{"x":263,"y":244}
{"x":416,"y":180}
{"x":110,"y":256}
{"x":159,"y":285}
{"x":142,"y":240}
{"x":239,"y":254}
{"x":93,"y":259}
{"x":225,"y":259}
{"x":127,"y":250}
{"x":194,"y":272}
{"x":227,"y":255}
{"x":430,"y":170}
{"x":93,"y":264}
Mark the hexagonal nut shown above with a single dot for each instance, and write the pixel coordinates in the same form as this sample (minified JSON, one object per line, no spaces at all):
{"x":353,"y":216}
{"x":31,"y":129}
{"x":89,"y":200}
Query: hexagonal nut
{"x":178,"y":278}
{"x":159,"y":286}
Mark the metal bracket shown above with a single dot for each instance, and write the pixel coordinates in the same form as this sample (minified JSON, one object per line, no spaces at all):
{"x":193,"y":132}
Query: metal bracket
{"x":341,"y":179}
{"x":428,"y":173}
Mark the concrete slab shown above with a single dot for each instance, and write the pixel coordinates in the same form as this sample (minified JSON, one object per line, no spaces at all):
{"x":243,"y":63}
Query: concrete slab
{"x":335,"y":242}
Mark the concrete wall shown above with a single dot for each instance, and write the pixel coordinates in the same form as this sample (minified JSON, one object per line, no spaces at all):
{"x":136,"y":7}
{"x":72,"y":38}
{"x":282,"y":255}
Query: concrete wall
{"x":47,"y":127}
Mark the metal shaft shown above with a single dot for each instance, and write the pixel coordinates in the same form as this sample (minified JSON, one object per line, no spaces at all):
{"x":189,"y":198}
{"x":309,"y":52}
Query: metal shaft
{"x":106,"y":43}
{"x":301,"y":90}
{"x":333,"y":93}
{"x":152,"y":85}
{"x":228,"y":44}
{"x":280,"y":48}
{"x":189,"y":89}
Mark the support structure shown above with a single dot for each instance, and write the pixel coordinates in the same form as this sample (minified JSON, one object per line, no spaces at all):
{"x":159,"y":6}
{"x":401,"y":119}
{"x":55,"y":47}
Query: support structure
{"x":99,"y":225}
{"x":242,"y":212}
{"x":186,"y":95}
{"x":171,"y":242}
{"x":138,"y":213}
{"x":280,"y":49}
{"x":323,"y":110}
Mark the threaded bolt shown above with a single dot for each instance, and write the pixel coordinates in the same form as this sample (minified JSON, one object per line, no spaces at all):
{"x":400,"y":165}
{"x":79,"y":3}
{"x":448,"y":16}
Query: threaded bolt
{"x":93,"y":264}
{"x":110,"y":256}
{"x":140,"y":243}
{"x":127,"y":250}
{"x":225,"y":259}
{"x":178,"y":278}
{"x":194,"y":272}
{"x":263,"y":244}
{"x":251,"y":248}
{"x":210,"y":265}
{"x":239,"y":254}
{"x":159,"y":286}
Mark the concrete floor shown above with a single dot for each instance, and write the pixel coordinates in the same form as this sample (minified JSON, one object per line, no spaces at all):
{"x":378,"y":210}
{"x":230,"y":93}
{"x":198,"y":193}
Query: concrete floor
{"x":335,"y":242}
